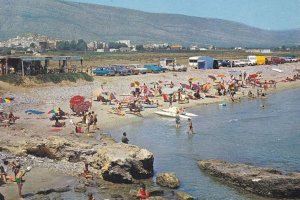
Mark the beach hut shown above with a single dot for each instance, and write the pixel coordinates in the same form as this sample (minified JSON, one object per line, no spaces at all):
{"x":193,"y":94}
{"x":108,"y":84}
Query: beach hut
{"x":207,"y":62}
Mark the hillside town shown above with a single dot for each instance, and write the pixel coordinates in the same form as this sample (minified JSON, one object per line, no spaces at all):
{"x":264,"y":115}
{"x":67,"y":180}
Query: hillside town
{"x":36,"y":43}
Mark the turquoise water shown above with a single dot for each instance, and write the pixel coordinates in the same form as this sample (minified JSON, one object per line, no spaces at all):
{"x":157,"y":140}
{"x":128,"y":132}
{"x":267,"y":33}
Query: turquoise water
{"x":240,"y":132}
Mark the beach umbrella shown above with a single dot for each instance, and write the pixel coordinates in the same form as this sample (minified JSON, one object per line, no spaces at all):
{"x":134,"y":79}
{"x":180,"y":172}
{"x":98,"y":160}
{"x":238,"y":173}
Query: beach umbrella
{"x":97,"y":92}
{"x":195,"y":87}
{"x":82,"y":107}
{"x":194,"y":79}
{"x":135,"y":84}
{"x":76,"y":100}
{"x":212,"y":77}
{"x":221,"y":75}
{"x":53,"y":111}
{"x":207,"y":86}
{"x":253,"y":75}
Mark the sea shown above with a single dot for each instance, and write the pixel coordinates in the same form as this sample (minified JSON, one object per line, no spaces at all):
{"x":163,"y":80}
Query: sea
{"x":260,"y":132}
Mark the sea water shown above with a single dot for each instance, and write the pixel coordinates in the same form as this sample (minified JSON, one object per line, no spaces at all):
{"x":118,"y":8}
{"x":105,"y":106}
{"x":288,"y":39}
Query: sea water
{"x":261,"y":132}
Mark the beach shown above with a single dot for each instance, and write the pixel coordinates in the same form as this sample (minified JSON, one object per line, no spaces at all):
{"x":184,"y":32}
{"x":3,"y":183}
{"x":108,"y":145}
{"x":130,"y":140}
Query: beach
{"x":47,"y":97}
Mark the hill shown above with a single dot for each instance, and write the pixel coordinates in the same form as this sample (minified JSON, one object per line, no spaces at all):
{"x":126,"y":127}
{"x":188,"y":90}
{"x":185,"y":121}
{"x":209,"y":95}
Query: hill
{"x":69,"y":20}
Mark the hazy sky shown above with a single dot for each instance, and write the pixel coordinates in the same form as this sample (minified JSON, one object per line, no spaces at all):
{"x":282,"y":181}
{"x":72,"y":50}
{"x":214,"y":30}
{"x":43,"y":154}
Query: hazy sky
{"x":266,"y":14}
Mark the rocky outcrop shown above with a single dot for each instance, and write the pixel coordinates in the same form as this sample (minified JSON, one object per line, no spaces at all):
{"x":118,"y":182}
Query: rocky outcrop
{"x":122,"y":163}
{"x":183,"y":196}
{"x":168,"y":180}
{"x":261,"y":181}
{"x":116,"y":162}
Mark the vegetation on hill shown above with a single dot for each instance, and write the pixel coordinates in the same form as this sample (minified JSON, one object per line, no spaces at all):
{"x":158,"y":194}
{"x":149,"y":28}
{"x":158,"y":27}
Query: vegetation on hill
{"x":68,"y":20}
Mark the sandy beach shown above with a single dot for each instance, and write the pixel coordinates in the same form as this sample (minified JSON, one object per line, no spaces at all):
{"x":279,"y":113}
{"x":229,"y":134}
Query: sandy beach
{"x":45,"y":98}
{"x":51,"y":96}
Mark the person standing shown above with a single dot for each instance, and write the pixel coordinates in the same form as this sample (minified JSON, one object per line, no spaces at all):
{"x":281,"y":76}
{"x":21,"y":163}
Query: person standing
{"x":190,"y":124}
{"x":125,"y":140}
{"x":88,"y":122}
{"x":95,"y":120}
{"x":177,"y":120}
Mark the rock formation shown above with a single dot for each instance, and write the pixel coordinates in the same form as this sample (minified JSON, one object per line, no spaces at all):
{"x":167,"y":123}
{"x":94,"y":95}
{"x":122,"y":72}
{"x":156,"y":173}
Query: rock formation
{"x":261,"y":181}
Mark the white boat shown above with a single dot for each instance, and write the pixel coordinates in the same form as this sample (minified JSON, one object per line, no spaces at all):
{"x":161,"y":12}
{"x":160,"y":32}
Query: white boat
{"x":175,"y":109}
{"x":149,"y":106}
{"x":277,"y":70}
{"x":168,"y":114}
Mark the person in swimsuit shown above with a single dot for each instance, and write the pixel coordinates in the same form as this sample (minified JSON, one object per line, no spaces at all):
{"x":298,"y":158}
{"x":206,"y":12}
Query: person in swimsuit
{"x":19,"y":179}
{"x":191,"y":130}
{"x":143,"y":194}
{"x":177,"y":119}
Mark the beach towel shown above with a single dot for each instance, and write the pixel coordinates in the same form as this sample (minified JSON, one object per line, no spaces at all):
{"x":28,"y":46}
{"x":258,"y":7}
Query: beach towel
{"x":35,"y":112}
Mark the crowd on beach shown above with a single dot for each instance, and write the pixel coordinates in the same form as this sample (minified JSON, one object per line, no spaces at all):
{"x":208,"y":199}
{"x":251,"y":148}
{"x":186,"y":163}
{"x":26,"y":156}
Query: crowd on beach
{"x":141,"y":97}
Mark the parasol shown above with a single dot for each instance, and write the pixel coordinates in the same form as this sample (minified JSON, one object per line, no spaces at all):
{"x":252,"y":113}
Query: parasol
{"x":212,"y":77}
{"x":82,"y":107}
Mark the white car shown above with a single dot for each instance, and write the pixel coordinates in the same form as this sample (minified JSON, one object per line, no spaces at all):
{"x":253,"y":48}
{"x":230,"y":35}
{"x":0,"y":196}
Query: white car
{"x":177,"y":67}
{"x":139,"y":68}
{"x":238,"y":63}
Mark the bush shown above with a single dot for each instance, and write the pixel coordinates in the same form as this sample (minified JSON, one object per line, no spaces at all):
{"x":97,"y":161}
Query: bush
{"x":12,"y":79}
{"x":58,"y":78}
{"x":47,"y":78}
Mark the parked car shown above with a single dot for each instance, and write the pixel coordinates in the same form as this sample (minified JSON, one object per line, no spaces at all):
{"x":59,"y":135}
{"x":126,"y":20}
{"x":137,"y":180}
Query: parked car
{"x":136,"y":68}
{"x":103,"y":71}
{"x":238,"y":63}
{"x":121,"y":70}
{"x":155,"y":68}
{"x":176,"y":67}
{"x":224,"y":63}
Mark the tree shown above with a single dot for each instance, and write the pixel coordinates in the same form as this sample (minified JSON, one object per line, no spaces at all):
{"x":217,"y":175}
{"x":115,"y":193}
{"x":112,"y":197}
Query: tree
{"x":32,"y":45}
{"x":81,"y":45}
{"x":116,"y":45}
{"x":73,"y":45}
{"x":139,"y":47}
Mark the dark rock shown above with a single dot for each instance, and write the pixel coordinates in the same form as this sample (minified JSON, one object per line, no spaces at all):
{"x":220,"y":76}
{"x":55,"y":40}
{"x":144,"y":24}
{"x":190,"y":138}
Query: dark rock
{"x":116,"y":196}
{"x":54,"y":190}
{"x":156,"y":191}
{"x":133,"y":193}
{"x":183,"y":196}
{"x":157,"y":198}
{"x":261,"y":181}
{"x":80,"y":188}
{"x":40,"y":197}
{"x":56,"y":196}
{"x":168,"y":180}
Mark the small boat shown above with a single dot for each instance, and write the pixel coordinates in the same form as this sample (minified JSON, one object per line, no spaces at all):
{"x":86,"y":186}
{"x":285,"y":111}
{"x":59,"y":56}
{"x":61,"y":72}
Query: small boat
{"x":175,"y":109}
{"x":168,"y":114}
{"x":222,"y":104}
{"x":277,"y":70}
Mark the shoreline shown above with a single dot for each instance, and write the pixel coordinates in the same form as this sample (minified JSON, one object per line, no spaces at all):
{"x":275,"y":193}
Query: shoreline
{"x":150,"y":114}
{"x":33,"y":128}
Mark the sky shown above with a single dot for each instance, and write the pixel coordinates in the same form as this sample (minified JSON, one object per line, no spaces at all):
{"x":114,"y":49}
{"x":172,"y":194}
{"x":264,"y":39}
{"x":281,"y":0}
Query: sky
{"x":265,"y":14}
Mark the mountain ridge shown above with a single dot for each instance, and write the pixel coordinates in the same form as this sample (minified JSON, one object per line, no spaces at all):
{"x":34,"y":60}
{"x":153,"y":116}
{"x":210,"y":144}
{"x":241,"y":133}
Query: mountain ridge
{"x":74,"y":20}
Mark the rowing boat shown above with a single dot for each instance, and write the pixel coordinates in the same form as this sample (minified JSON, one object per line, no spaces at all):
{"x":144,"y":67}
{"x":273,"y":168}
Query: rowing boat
{"x":169,"y":114}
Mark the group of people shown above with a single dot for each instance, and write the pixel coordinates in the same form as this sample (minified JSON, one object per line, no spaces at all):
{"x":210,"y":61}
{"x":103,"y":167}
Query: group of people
{"x":89,"y":119}
{"x":7,"y":119}
{"x":12,"y":172}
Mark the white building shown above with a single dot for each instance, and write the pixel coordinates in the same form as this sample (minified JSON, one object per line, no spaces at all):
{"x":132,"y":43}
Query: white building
{"x":127,"y":42}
